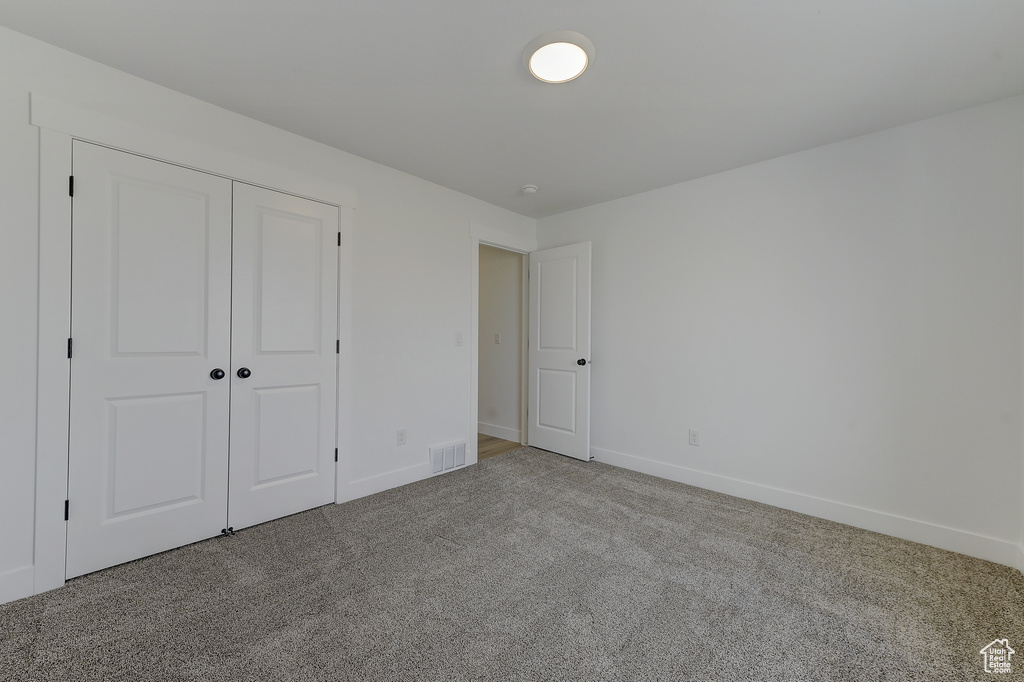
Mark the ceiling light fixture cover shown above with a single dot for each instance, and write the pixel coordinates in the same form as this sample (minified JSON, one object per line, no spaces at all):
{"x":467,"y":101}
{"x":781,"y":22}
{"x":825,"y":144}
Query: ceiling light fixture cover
{"x":558,"y":56}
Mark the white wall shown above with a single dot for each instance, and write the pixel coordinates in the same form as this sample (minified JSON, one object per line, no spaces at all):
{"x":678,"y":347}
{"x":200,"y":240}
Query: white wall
{"x":1020,"y":553}
{"x":842,"y":325}
{"x":410,"y":278}
{"x":500,"y":397}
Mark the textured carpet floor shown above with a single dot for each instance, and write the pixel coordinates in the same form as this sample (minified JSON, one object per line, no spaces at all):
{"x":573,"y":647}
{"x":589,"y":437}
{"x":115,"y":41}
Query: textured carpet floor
{"x":528,"y":566}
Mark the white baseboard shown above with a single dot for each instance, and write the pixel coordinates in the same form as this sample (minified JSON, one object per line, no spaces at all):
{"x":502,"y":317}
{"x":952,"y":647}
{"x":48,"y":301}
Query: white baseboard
{"x":362,"y":487}
{"x":971,"y":544}
{"x":16,"y":584}
{"x":496,"y":431}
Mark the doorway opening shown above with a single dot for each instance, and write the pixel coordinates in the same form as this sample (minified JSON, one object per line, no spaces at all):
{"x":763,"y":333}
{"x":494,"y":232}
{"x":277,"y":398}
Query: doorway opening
{"x":501,"y":351}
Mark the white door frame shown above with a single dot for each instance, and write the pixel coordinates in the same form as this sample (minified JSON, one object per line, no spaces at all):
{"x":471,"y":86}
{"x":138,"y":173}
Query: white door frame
{"x":481,"y":234}
{"x":59,"y":123}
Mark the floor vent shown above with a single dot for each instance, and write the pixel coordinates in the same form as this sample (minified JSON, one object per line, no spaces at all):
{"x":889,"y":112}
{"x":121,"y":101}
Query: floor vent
{"x":446,"y":457}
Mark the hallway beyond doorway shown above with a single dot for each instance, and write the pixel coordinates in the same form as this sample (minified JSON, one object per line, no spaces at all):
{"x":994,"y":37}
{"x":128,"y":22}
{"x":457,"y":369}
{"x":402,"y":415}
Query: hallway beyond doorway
{"x":489,"y":446}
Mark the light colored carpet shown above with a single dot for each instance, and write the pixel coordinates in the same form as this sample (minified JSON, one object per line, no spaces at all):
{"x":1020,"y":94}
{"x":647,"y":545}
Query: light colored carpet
{"x":528,"y":566}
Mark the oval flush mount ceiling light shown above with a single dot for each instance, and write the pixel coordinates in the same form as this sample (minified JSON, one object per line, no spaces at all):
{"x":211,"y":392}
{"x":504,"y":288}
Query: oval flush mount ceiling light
{"x":558,"y":56}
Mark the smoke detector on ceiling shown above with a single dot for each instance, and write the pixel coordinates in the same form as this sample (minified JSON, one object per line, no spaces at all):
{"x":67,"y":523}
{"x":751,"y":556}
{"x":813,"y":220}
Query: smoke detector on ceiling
{"x":529,"y":189}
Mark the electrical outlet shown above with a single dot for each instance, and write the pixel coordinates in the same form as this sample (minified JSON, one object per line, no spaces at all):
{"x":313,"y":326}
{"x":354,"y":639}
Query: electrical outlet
{"x":497,"y":339}
{"x":458,"y":338}
{"x":694,"y":437}
{"x":401,"y":436}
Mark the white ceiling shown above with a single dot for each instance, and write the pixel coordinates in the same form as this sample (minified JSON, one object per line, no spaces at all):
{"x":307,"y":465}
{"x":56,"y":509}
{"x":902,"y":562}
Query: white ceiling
{"x":678,"y":89}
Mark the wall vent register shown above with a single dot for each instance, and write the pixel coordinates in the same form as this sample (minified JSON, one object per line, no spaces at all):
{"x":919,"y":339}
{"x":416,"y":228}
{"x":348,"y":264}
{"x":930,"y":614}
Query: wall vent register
{"x":447,"y":457}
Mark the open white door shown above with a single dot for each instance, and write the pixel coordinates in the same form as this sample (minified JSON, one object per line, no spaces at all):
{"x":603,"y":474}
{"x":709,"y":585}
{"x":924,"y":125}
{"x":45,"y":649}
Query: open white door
{"x":559,"y":400}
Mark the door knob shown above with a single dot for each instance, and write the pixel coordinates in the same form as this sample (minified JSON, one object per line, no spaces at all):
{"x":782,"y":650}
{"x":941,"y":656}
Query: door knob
{"x":217,"y":374}
{"x":244,"y":373}
{"x":581,"y":362}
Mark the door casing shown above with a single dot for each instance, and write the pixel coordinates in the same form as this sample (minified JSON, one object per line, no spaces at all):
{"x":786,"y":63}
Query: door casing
{"x":520,"y":340}
{"x":481,"y":234}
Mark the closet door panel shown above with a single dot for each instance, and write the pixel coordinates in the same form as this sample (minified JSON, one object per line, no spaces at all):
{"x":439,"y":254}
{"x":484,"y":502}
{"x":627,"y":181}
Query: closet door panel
{"x":289,"y":277}
{"x":284,"y":329}
{"x":287,"y":437}
{"x":151,"y":308}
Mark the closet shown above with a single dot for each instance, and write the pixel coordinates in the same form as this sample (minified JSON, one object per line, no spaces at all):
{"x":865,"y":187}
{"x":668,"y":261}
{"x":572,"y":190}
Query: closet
{"x":204,"y":357}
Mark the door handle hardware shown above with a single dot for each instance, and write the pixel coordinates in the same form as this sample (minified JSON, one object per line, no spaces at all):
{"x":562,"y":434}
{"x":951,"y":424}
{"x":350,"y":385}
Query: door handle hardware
{"x":217,"y":374}
{"x":581,"y":362}
{"x":244,"y":373}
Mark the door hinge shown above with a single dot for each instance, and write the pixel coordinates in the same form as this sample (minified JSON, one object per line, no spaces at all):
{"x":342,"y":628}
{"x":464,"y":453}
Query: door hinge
{"x":69,"y":349}
{"x":71,"y":185}
{"x":339,"y":239}
{"x":335,"y":454}
{"x":337,"y":346}
{"x":67,"y":505}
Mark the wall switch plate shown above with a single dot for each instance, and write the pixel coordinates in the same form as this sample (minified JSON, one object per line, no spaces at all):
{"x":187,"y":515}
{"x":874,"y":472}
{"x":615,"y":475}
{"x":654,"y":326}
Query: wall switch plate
{"x":401,"y":436}
{"x":458,"y":338}
{"x":497,"y":339}
{"x":694,"y":437}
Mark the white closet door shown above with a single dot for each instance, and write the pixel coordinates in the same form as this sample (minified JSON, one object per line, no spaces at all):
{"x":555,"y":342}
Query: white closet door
{"x":284,"y":360}
{"x":151,"y":251}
